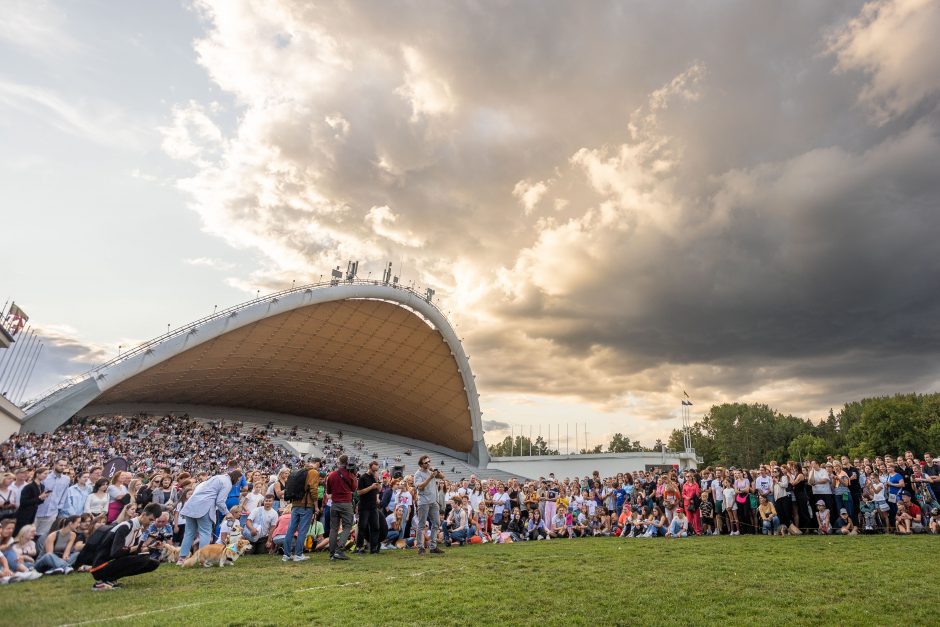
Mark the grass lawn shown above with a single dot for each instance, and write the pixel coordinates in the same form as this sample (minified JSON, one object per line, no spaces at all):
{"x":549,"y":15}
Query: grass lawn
{"x":807,"y":580}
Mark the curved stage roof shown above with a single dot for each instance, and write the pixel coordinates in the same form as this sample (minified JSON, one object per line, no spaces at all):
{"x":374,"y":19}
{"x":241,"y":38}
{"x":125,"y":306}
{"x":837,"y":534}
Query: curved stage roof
{"x":362,"y":354}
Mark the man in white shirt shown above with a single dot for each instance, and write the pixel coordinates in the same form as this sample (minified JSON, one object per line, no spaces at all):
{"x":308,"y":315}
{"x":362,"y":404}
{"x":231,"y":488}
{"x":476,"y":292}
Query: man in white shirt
{"x":259,"y":525}
{"x":200,"y":510}
{"x":764,"y":484}
{"x":500,"y":503}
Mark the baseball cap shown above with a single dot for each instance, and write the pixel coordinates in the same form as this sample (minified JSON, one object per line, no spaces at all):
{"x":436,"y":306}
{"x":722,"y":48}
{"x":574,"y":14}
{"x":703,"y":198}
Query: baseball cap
{"x":820,"y":502}
{"x":843,"y":511}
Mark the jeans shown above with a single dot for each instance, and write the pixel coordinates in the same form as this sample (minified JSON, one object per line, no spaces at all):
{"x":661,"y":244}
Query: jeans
{"x":392,"y":537}
{"x":771,"y":525}
{"x":300,"y":522}
{"x":432,"y":511}
{"x":460,"y":535}
{"x":202,"y":525}
{"x":50,"y":561}
{"x":340,"y":512}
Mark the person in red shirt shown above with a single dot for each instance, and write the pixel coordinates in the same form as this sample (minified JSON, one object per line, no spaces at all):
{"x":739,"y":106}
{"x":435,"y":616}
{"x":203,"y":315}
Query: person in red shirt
{"x":339,"y":486}
{"x":914,"y":511}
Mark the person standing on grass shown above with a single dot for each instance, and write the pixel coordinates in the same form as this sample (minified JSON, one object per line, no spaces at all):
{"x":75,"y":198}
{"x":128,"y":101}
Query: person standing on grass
{"x":426,"y":485}
{"x":303,"y":511}
{"x":339,"y":486}
{"x":369,"y":529}
{"x":56,"y":484}
{"x":200,"y":510}
{"x":123,"y":553}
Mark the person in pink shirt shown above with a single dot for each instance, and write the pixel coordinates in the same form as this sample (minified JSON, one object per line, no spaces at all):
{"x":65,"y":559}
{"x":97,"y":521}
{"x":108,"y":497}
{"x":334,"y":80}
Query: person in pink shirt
{"x":690,"y":492}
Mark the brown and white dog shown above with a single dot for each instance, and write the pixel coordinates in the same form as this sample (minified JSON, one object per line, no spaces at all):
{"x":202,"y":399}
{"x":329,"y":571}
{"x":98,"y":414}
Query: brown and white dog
{"x":218,"y":554}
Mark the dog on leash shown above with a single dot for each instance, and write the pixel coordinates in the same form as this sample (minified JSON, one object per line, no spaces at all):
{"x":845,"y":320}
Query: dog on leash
{"x":218,"y":554}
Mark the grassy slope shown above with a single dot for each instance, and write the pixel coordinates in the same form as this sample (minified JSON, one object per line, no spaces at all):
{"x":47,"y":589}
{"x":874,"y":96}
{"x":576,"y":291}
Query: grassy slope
{"x":806,"y":580}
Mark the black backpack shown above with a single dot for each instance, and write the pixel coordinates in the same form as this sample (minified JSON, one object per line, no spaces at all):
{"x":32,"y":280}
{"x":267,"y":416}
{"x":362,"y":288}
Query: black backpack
{"x":296,"y":487}
{"x":97,"y":548}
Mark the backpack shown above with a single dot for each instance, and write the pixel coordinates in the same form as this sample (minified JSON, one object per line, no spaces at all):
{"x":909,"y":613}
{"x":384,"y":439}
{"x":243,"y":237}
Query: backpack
{"x":296,"y":487}
{"x":97,"y":548}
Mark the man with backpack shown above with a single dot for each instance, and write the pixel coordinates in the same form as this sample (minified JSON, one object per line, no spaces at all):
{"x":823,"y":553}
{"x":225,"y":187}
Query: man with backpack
{"x":120,"y":550}
{"x":301,"y":490}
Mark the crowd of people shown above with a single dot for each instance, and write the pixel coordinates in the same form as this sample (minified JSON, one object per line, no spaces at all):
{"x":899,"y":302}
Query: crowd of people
{"x":191,"y":484}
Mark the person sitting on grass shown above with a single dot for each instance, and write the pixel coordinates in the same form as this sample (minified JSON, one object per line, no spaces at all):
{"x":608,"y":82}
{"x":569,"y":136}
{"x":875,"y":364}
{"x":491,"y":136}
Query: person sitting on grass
{"x":823,"y":520}
{"x":934,"y":524}
{"x":902,"y":520}
{"x":60,"y":549}
{"x":11,"y":568}
{"x":868,"y":511}
{"x":458,"y":528}
{"x":770,"y":522}
{"x":121,"y":551}
{"x":844,"y":525}
{"x":559,"y":525}
{"x":535,"y":527}
{"x":228,"y":524}
{"x":679,"y":527}
{"x":516,"y":526}
{"x":655,"y":523}
{"x":259,"y":525}
{"x":916,"y":514}
{"x":579,"y":522}
{"x":25,"y":545}
{"x":280,"y":531}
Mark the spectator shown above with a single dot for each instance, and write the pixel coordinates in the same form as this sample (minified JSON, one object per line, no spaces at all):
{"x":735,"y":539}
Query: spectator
{"x":31,"y":497}
{"x":60,"y":550}
{"x":259,"y":525}
{"x":122,"y":552}
{"x":770,"y":521}
{"x":56,"y":484}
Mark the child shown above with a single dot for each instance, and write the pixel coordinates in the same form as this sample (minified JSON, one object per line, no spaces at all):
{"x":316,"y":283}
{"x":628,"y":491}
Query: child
{"x":707,"y":508}
{"x":731,"y":507}
{"x":868,"y":509}
{"x":823,"y":520}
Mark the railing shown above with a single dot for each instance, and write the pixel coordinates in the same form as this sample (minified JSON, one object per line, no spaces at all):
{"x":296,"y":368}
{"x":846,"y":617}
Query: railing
{"x":142,"y":348}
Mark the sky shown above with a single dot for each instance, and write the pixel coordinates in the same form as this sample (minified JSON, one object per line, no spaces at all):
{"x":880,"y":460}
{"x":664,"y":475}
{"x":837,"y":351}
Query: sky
{"x":615,"y":202}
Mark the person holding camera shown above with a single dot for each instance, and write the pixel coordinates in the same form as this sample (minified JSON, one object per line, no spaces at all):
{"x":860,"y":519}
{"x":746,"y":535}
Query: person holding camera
{"x":339,"y":486}
{"x":369,"y":488}
{"x":426,"y":485}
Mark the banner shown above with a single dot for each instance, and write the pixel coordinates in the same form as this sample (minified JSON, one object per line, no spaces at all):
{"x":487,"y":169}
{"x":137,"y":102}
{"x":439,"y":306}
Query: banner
{"x":116,"y":464}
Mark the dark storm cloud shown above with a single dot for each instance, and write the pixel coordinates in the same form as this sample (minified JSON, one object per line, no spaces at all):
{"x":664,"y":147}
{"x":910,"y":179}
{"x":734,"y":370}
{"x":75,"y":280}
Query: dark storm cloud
{"x":615,"y":203}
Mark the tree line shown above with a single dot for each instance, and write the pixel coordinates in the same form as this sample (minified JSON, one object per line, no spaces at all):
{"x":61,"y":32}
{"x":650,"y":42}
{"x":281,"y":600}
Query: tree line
{"x":743,"y":434}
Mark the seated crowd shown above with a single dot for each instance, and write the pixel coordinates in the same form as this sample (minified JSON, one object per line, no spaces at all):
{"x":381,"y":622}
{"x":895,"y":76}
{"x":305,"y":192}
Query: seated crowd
{"x":57,"y":510}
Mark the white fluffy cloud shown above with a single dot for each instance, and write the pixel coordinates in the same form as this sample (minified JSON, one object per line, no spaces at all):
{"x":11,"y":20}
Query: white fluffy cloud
{"x":693,"y":216}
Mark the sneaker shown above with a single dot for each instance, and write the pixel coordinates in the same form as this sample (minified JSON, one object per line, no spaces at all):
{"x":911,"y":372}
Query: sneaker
{"x":68,"y":569}
{"x":114,"y":584}
{"x":339,"y":556}
{"x":29,"y":576}
{"x":286,"y":558}
{"x":300,"y":558}
{"x":421,"y":551}
{"x":436,"y":551}
{"x":55,"y":571}
{"x":101,"y":585}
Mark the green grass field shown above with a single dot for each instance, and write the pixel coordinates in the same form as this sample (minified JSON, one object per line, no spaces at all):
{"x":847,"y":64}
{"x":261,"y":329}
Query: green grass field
{"x":808,"y":580}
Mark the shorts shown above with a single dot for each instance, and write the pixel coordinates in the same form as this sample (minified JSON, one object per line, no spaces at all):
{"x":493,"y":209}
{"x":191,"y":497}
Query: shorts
{"x":882,"y":505}
{"x":719,"y":507}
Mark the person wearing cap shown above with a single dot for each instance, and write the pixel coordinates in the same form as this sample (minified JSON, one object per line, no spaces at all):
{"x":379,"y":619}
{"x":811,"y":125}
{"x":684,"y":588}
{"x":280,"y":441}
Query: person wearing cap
{"x":302,"y":512}
{"x":823,"y":519}
{"x":844,"y":524}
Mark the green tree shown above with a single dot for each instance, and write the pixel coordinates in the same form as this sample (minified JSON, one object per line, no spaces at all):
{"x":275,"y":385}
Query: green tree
{"x":620,"y":443}
{"x":807,"y":446}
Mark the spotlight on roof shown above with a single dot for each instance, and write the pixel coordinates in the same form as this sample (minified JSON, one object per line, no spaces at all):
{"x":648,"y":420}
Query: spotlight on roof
{"x":352,"y":268}
{"x":428,"y":294}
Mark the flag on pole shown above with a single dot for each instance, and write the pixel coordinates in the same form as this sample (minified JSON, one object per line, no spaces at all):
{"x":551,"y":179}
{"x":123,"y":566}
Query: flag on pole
{"x":16,"y":319}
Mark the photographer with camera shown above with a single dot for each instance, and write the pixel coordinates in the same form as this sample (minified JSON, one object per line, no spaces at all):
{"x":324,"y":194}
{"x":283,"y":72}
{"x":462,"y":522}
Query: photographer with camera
{"x":369,"y":488}
{"x":339,"y":485}
{"x":426,"y":485}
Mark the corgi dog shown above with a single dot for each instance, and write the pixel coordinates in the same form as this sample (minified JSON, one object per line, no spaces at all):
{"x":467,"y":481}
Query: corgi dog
{"x":217,"y":554}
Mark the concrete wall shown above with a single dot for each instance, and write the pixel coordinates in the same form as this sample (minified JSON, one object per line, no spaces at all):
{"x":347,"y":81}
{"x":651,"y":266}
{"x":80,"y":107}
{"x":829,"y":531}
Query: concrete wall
{"x":607,"y":464}
{"x":11,"y":418}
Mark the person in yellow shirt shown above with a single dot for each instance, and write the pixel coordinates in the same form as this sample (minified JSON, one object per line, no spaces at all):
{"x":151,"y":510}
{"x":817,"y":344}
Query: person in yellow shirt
{"x":768,"y":516}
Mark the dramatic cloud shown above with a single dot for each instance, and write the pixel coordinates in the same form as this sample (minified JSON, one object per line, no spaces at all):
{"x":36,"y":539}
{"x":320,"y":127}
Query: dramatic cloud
{"x":749,"y":211}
